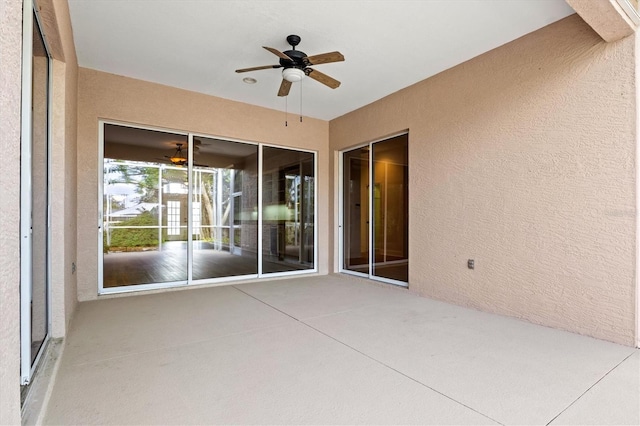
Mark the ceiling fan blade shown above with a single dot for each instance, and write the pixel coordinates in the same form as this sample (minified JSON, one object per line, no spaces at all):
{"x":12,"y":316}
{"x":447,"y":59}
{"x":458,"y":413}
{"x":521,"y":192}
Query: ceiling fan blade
{"x":285,"y":86}
{"x":323,"y":78}
{"x":325,"y":58}
{"x":277,"y":53}
{"x":264,"y":67}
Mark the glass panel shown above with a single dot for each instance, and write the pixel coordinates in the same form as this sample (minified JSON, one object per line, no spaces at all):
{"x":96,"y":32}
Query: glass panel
{"x":145,"y":207}
{"x":356,"y":210}
{"x":391,"y":209}
{"x":288,"y":210}
{"x":225,"y":208}
{"x":39,"y":193}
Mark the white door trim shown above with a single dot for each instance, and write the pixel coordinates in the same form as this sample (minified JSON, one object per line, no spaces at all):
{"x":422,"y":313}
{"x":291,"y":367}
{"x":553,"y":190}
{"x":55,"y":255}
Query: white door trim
{"x":341,"y":219}
{"x":27,"y":368}
{"x":25,"y":195}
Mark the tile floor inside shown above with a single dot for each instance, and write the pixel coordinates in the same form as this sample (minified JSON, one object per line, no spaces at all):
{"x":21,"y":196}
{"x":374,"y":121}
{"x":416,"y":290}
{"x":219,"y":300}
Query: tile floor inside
{"x":330,"y":350}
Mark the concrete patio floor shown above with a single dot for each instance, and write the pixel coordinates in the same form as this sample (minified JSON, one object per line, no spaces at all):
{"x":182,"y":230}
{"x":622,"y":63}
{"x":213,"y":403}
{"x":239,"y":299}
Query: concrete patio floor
{"x":330,"y":350}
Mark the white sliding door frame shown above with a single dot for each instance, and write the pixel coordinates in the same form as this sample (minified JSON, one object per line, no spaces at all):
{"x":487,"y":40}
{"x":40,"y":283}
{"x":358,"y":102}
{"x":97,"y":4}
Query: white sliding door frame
{"x":137,"y":287}
{"x":206,"y":281}
{"x":189,"y":207}
{"x":313,"y":270}
{"x":27,"y":368}
{"x":341,"y":217}
{"x":260,"y":199}
{"x":341,"y":220}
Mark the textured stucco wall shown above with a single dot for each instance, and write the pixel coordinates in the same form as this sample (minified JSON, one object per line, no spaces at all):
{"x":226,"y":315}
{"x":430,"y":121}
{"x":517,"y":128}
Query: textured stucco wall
{"x":63,"y":192}
{"x":637,"y":161}
{"x":112,"y":97}
{"x":57,"y":199}
{"x":70,"y":194}
{"x":524,"y":160}
{"x":63,"y":168}
{"x":10,"y":83}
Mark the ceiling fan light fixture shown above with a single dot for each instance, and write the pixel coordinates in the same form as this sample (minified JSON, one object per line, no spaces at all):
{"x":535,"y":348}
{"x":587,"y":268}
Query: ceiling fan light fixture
{"x":293,"y":75}
{"x":178,"y":158}
{"x":295,"y":66}
{"x":178,"y":161}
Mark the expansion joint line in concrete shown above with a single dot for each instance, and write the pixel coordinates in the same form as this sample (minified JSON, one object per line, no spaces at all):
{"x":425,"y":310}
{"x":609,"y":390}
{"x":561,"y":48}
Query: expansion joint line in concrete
{"x":370,"y":357}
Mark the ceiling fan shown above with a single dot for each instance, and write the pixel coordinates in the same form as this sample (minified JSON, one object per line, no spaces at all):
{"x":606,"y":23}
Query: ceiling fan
{"x":295,"y":64}
{"x":180,"y":158}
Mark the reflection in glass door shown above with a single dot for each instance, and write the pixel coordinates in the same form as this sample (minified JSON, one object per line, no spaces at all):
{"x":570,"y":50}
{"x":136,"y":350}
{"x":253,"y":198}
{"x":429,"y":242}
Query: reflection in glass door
{"x":144,"y":209}
{"x":288,"y":210}
{"x":356,"y":210}
{"x":39,"y":193}
{"x":180,"y":209}
{"x":375,"y":210}
{"x":390,"y":211}
{"x":224,"y":209}
{"x":35,"y":202}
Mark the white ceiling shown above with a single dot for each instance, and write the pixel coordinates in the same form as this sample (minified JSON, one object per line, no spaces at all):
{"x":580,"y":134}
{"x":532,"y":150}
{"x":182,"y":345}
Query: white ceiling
{"x":388,"y":45}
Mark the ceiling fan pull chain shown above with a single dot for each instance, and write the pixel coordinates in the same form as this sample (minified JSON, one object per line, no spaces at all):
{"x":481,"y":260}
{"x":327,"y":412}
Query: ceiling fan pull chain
{"x":301,"y":100}
{"x":286,"y":110}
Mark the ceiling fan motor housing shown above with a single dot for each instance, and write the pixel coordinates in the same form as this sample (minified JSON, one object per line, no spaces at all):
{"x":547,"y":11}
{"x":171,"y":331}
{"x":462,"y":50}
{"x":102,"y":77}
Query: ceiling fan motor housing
{"x":294,"y":69}
{"x":297,"y":59}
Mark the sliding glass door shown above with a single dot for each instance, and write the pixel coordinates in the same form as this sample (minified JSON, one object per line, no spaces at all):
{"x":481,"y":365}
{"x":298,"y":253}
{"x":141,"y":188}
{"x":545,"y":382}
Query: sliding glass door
{"x":35,"y":200}
{"x":180,"y":209}
{"x":224,"y":202}
{"x":288,"y":210}
{"x":356,"y":210}
{"x":144,"y":205}
{"x":390,"y":209}
{"x":375,"y":210}
{"x":39,"y":195}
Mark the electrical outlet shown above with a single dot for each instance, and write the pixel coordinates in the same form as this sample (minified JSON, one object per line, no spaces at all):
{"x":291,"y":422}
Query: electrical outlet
{"x":471,"y":264}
